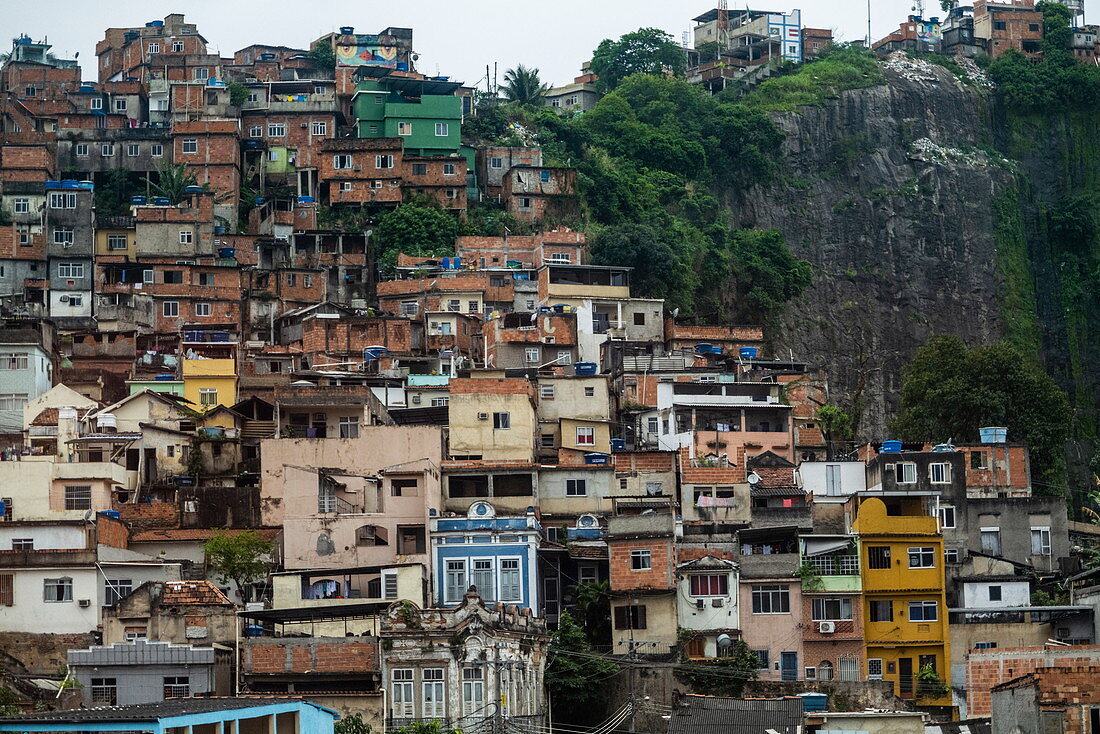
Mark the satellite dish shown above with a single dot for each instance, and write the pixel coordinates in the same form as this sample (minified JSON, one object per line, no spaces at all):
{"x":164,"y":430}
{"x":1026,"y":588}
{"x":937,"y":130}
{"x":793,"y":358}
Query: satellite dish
{"x":754,"y":478}
{"x":724,"y":641}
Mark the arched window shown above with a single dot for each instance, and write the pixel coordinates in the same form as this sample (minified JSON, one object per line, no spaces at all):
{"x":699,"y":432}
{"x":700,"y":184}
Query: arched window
{"x":825,"y":670}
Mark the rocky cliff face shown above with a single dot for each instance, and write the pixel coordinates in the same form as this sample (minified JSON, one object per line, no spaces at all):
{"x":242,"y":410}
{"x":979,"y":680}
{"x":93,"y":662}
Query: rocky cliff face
{"x":888,"y":192}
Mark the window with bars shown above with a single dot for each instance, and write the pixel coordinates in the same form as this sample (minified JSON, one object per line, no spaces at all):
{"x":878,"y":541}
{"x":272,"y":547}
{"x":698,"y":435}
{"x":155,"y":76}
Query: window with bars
{"x":710,"y":584}
{"x":104,"y":691}
{"x":878,"y":557}
{"x":631,"y":617}
{"x":177,"y":686}
{"x":78,"y":497}
{"x":7,"y":590}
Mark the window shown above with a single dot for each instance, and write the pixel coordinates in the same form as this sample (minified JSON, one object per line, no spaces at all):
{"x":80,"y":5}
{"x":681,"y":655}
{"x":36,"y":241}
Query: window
{"x":991,"y":541}
{"x":473,"y":691}
{"x":586,"y":436}
{"x":590,"y":392}
{"x":383,"y":161}
{"x":116,"y":242}
{"x":905,"y":472}
{"x":442,"y":129}
{"x":653,"y":424}
{"x":496,"y":162}
{"x":630,"y":618}
{"x":978,"y":460}
{"x":177,"y":47}
{"x":7,"y":590}
{"x":21,"y":206}
{"x":951,"y":555}
{"x":922,"y":557}
{"x":256,"y":131}
{"x":510,"y":587}
{"x":481,"y":578}
{"x":78,"y":497}
{"x":187,"y":237}
{"x":208,"y":396}
{"x":455,"y":580}
{"x":342,"y":161}
{"x":710,"y":584}
{"x":502,"y":421}
{"x":171,"y":308}
{"x":14,"y":361}
{"x":403,"y":704}
{"x":22,"y":544}
{"x":154,"y":48}
{"x":771,"y":599}
{"x":345,"y":185}
{"x":641,"y":559}
{"x":999,"y":25}
{"x":531,"y":355}
{"x":318,"y":128}
{"x":762,"y":659}
{"x":546,"y":440}
{"x":448,"y":169}
{"x":881,"y":611}
{"x":177,"y":686}
{"x":576,"y":488}
{"x":947,"y":516}
{"x":62,"y":201}
{"x":292,"y":279}
{"x":389,"y":586}
{"x":349,"y":426}
{"x":994,"y":593}
{"x":434,"y":705}
{"x":404,"y":128}
{"x":874,"y":668}
{"x":939,"y":473}
{"x":439,"y":402}
{"x":63,"y":236}
{"x":924,"y":611}
{"x":9,"y":508}
{"x":81,"y":149}
{"x":276,"y":129}
{"x":1040,"y":541}
{"x":107,"y":150}
{"x":12,"y":401}
{"x":115,"y":589}
{"x":190,"y":145}
{"x":544,"y":176}
{"x":156,"y":150}
{"x":206,"y":279}
{"x":202,"y":309}
{"x":525,"y":202}
{"x":878,"y":556}
{"x":105,"y":691}
{"x":57,"y":590}
{"x":832,"y":610}
{"x":546,"y":392}
{"x":564,"y":358}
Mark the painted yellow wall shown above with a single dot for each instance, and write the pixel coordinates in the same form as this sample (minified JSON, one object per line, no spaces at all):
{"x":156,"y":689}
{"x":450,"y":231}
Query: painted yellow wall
{"x":569,"y":436}
{"x":219,"y":374}
{"x":472,"y":436}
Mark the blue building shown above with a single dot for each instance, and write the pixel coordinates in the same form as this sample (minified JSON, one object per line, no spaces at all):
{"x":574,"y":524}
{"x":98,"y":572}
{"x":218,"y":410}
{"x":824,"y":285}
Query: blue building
{"x":254,"y":715}
{"x":498,"y":555}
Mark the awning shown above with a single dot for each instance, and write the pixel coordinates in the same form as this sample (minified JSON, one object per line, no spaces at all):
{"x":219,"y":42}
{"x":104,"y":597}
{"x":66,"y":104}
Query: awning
{"x":822,"y":546}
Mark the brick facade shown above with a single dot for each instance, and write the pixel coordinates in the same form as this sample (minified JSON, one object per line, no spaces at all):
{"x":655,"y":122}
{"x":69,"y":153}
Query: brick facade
{"x":990,"y":668}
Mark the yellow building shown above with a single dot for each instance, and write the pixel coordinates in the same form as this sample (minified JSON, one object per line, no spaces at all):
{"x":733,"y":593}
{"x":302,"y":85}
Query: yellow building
{"x":492,"y":419}
{"x":210,"y":382}
{"x":904,"y":605}
{"x":118,"y":241}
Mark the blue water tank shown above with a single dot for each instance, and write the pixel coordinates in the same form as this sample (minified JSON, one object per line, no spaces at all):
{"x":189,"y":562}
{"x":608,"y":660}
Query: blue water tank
{"x":254,"y":630}
{"x":347,"y":30}
{"x":993,"y":434}
{"x":814,"y":702}
{"x":585,"y":368}
{"x":227,"y":252}
{"x":703,"y":348}
{"x":53,"y":185}
{"x":306,"y":200}
{"x":219,"y":229}
{"x":457,"y":263}
{"x":597,"y":459}
{"x":192,"y":190}
{"x":445,"y":263}
{"x":890,"y":447}
{"x":618,"y":444}
{"x":373,"y":353}
{"x":747,"y":352}
{"x":402,"y":66}
{"x":267,"y":57}
{"x":113,"y":514}
{"x":715,"y":350}
{"x":70,"y":183}
{"x":164,"y":378}
{"x":139,"y":200}
{"x":155,"y":24}
{"x":161,"y":201}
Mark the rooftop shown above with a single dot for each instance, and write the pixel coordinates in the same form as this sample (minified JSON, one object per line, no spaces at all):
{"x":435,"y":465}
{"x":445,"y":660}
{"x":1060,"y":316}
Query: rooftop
{"x":152,"y":711}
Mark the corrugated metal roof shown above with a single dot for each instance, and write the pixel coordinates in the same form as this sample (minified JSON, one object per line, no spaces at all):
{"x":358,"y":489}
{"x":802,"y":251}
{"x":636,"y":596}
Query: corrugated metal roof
{"x":713,"y":715}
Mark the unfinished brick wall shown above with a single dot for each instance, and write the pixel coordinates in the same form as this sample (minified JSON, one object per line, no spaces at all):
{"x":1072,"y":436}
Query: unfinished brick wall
{"x":990,"y":668}
{"x":625,"y":578}
{"x":311,"y":655}
{"x":150,"y":515}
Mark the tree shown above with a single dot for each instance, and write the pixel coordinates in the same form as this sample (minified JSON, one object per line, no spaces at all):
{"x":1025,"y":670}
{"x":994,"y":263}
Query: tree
{"x":708,"y":51}
{"x":416,"y":229}
{"x":323,"y":55}
{"x":523,"y":86}
{"x":948,"y":391}
{"x":172,"y":181}
{"x":765,"y":274}
{"x":645,"y":51}
{"x":238,"y":94}
{"x":113,"y":192}
{"x":353,"y":724}
{"x":593,"y":601}
{"x":724,"y":676}
{"x":575,"y":675}
{"x":657,"y":273}
{"x":243,"y":558}
{"x":948,"y":5}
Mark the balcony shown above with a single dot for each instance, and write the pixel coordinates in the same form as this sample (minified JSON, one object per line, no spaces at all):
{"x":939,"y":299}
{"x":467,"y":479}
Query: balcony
{"x":46,"y":558}
{"x":328,"y":503}
{"x":835,"y":565}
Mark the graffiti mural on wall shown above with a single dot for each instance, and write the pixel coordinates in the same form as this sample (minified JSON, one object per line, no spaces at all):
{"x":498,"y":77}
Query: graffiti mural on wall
{"x":366,"y":51}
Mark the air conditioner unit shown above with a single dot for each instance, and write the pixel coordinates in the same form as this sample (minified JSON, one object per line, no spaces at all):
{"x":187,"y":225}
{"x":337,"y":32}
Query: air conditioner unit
{"x":700,"y":603}
{"x":357,"y":168}
{"x":483,"y":416}
{"x":84,"y":603}
{"x":304,"y":125}
{"x":826,"y":628}
{"x":64,"y":299}
{"x":719,"y":602}
{"x":811,"y":673}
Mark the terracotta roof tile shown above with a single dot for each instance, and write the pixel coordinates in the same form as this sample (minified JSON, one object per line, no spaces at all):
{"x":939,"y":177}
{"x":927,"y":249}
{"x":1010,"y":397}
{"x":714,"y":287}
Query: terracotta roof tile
{"x":47,"y":417}
{"x":192,"y":592}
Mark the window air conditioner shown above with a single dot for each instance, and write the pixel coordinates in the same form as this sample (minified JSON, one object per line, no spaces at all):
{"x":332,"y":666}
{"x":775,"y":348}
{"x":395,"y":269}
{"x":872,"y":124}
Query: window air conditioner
{"x":719,"y":602}
{"x":483,"y":416}
{"x":700,"y":603}
{"x":826,"y":628}
{"x":84,"y":603}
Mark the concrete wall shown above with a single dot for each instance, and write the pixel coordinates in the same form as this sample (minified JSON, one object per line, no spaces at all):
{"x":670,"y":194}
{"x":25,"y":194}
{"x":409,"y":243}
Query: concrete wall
{"x":777,"y":633}
{"x":853,"y":478}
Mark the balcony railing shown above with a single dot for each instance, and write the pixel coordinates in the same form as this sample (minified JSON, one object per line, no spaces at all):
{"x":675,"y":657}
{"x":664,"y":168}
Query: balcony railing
{"x":332,"y":503}
{"x":836,"y":565}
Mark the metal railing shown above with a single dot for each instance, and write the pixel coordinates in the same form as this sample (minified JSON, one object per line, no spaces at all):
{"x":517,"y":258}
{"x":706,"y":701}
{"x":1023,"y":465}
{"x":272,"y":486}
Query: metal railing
{"x":836,"y":565}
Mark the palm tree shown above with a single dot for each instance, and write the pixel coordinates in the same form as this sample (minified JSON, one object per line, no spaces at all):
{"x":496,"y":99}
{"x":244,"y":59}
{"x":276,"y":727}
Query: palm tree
{"x":171,"y":182}
{"x":523,"y":85}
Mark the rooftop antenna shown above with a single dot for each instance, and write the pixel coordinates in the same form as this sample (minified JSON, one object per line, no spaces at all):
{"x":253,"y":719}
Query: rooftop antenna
{"x":918,"y":8}
{"x":868,"y":24}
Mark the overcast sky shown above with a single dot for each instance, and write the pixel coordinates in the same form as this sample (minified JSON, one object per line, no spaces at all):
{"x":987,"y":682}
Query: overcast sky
{"x":458,"y":38}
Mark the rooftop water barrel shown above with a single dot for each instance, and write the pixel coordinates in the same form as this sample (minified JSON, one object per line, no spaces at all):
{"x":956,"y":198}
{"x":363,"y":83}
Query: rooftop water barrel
{"x":87,"y":185}
{"x":814,"y":702}
{"x":993,"y":434}
{"x":402,"y":66}
{"x":371,"y":353}
{"x":747,"y":352}
{"x":155,"y":24}
{"x":227,"y":252}
{"x":254,"y":630}
{"x":584,"y":368}
{"x":715,"y":350}
{"x":703,"y":348}
{"x":347,"y":30}
{"x":445,"y":263}
{"x":70,"y":183}
{"x":306,"y":200}
{"x":161,"y":201}
{"x":267,"y":57}
{"x":53,"y":184}
{"x":104,"y":421}
{"x":220,"y":229}
{"x":139,"y":200}
{"x":890,"y":447}
{"x":618,"y":444}
{"x":457,"y":263}
{"x":164,"y":378}
{"x":192,"y":190}
{"x":597,"y":459}
{"x":113,"y":514}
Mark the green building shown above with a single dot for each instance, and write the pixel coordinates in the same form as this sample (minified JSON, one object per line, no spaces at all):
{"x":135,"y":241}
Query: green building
{"x":424,"y":113}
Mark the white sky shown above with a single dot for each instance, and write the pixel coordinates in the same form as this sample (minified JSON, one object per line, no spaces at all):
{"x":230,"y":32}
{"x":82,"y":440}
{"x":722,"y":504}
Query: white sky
{"x":459,"y":38}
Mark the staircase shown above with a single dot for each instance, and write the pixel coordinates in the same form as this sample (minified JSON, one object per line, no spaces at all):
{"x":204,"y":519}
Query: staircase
{"x":258,"y":429}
